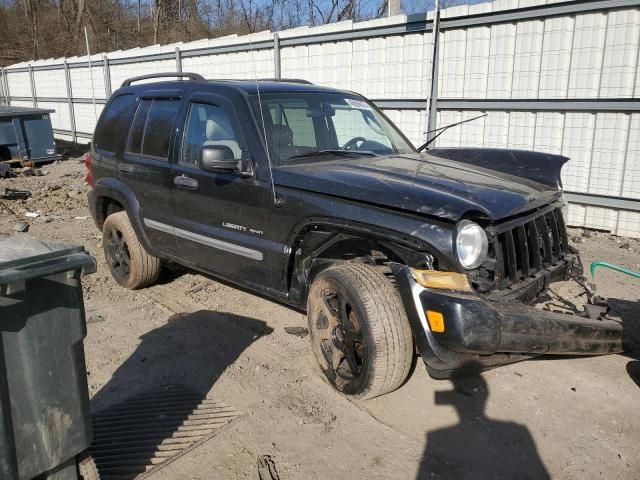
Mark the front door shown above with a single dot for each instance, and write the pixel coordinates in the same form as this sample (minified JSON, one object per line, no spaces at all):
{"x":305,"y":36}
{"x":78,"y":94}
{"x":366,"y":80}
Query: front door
{"x":220,"y":217}
{"x":145,"y":165}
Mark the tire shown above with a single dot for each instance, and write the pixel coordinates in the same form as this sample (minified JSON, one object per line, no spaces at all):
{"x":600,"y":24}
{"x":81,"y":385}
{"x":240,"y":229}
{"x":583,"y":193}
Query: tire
{"x":129,"y":263}
{"x":87,"y":469}
{"x":360,"y":334}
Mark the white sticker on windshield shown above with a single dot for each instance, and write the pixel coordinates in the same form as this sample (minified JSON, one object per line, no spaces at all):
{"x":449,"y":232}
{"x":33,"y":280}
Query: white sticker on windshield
{"x":359,"y":104}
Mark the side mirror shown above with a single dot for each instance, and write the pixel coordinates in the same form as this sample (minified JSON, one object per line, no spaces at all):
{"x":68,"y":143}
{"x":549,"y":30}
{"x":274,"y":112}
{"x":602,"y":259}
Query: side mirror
{"x":219,"y":158}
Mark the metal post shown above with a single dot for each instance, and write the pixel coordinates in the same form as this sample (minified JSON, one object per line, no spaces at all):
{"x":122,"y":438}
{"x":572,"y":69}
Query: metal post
{"x":6,"y":86}
{"x":107,"y":75}
{"x":72,"y":115}
{"x":93,"y":92}
{"x":432,"y":104}
{"x":33,"y":87}
{"x":393,"y":8}
{"x":2,"y":94}
{"x":276,"y":56}
{"x":178,"y":60}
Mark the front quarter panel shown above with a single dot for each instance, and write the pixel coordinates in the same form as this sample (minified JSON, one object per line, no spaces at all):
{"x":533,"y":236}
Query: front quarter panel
{"x":302,"y":209}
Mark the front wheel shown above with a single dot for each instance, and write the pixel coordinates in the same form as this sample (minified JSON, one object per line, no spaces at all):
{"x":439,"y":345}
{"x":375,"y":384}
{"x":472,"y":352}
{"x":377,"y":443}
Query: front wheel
{"x":360,"y":334}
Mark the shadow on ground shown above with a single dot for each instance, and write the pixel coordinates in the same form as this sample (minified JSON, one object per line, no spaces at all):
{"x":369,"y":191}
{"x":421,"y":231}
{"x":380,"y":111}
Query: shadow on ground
{"x":629,"y":313}
{"x":478,"y":446}
{"x":191,"y":350}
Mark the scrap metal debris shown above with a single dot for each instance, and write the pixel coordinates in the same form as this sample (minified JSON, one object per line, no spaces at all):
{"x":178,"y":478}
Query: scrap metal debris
{"x":20,"y":227}
{"x":29,"y":171}
{"x":5,"y":170}
{"x":267,"y":468}
{"x":13,"y":194}
{"x":297,"y":331}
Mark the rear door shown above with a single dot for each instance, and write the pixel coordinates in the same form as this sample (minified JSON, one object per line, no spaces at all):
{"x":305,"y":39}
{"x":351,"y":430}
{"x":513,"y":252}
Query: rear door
{"x":145,"y":165}
{"x":220,"y":217}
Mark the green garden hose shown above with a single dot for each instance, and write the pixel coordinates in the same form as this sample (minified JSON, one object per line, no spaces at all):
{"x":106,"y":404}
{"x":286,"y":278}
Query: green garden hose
{"x":617,"y":268}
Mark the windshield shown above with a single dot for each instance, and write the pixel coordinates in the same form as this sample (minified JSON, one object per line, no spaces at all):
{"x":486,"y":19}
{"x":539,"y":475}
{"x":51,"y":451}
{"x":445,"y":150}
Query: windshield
{"x":313,"y":126}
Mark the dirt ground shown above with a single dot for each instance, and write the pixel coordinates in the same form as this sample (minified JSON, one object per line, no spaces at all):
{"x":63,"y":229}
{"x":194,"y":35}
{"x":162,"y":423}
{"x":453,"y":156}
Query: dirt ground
{"x":565,"y":418}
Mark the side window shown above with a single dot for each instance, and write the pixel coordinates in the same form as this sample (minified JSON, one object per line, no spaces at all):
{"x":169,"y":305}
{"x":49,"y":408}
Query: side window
{"x":113,"y":125}
{"x":137,"y":128}
{"x":207,"y":125}
{"x":152,"y":127}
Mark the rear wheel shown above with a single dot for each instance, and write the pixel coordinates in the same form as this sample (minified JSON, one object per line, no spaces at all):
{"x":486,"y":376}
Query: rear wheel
{"x":129,"y":263}
{"x":360,"y":334}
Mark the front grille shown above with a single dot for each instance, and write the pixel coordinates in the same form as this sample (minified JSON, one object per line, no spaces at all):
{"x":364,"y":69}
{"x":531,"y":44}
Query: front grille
{"x":521,"y":250}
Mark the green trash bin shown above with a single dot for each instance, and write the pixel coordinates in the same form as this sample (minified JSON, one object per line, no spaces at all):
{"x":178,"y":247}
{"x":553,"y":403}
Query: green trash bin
{"x":44,"y":401}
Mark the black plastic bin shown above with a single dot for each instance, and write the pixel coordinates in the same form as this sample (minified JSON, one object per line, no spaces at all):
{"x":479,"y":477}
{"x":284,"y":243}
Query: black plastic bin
{"x":44,"y":402}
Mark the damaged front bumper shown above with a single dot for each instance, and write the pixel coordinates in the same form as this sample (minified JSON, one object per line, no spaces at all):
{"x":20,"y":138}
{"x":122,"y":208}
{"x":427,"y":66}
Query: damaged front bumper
{"x":490,"y":333}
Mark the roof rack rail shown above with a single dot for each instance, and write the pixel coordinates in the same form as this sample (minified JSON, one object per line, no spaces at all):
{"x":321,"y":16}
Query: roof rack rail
{"x":286,"y":80}
{"x":192,"y":76}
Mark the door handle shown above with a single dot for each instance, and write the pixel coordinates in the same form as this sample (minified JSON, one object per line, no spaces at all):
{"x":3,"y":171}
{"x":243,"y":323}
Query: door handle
{"x":186,"y":182}
{"x":126,"y":168}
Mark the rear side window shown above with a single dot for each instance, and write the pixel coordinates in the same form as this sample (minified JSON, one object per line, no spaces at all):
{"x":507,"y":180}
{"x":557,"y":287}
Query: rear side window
{"x":152,"y":127}
{"x":113,"y":125}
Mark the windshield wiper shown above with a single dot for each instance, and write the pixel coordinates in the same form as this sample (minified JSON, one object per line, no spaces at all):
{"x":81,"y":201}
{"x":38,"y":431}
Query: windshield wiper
{"x":441,"y":130}
{"x":336,"y":153}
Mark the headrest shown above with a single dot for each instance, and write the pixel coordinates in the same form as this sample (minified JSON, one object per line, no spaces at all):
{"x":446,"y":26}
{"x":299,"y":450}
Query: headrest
{"x":281,"y":135}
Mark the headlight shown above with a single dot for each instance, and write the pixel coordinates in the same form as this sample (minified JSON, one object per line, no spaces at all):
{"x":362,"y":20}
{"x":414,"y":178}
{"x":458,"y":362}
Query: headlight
{"x":471,"y":244}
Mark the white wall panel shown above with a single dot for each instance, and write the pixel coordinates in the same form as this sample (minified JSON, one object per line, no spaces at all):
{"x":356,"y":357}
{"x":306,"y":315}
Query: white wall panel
{"x":522,"y":126}
{"x":51,"y":83}
{"x":451,"y":137}
{"x":119,"y":73}
{"x":583,"y":55}
{"x":608,"y":155}
{"x":601,"y":218}
{"x":60,"y":118}
{"x":549,"y":130}
{"x":576,"y":215}
{"x":477,"y":62}
{"x":453,"y":48}
{"x":586,"y":57}
{"x":417,"y":66}
{"x":393,"y":69}
{"x":472,"y":134}
{"x":86,"y":116}
{"x":19,"y":84}
{"x":631,"y":181}
{"x":501,"y":60}
{"x":81,"y":82}
{"x":628,"y":224}
{"x":556,"y":57}
{"x":496,"y":130}
{"x":576,"y":144}
{"x":620,"y":54}
{"x":528,"y":55}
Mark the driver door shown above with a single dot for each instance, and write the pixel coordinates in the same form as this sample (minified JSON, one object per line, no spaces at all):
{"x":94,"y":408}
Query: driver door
{"x":219,"y":217}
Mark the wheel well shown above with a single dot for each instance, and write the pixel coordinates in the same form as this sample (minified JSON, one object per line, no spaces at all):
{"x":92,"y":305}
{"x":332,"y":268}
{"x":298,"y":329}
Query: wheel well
{"x":105,"y":206}
{"x":318,"y":248}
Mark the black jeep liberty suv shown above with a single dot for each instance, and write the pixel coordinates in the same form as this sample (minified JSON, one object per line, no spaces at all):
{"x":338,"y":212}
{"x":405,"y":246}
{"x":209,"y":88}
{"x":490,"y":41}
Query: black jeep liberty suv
{"x":311,"y":196}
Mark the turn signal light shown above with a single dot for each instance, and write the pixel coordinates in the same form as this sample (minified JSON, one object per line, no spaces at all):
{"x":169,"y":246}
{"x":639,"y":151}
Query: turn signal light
{"x":436,"y":321}
{"x":442,"y":280}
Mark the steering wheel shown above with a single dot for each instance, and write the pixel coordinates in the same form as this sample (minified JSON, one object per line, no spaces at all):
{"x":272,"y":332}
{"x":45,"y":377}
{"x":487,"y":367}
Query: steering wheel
{"x":353,"y":143}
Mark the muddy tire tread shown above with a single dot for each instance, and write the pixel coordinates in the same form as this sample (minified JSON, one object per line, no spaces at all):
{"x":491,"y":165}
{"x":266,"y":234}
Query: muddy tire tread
{"x":388,"y":325}
{"x":145,"y":267}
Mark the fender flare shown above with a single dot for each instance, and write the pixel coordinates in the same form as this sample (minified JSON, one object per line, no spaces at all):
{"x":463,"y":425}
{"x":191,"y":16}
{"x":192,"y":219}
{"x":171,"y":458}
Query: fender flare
{"x":119,"y":191}
{"x":297,"y":291}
